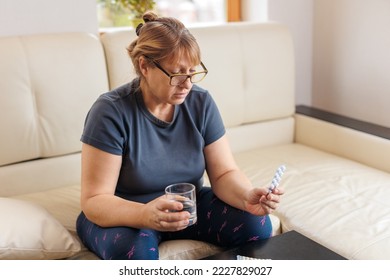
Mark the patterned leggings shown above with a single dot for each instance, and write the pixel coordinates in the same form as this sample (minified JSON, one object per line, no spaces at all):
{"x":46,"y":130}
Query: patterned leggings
{"x":218,"y":223}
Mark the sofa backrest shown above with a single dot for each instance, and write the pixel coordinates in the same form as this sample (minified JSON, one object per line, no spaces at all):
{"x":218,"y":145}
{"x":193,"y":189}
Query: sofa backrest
{"x":251,"y":77}
{"x":47,"y":84}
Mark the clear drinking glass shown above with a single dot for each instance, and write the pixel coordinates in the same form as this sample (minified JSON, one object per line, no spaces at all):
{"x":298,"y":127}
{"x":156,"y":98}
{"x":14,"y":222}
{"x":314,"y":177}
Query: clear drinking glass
{"x":184,"y":193}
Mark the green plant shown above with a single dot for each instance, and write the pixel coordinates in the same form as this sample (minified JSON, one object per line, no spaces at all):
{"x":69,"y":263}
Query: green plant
{"x":123,"y":12}
{"x":137,"y":7}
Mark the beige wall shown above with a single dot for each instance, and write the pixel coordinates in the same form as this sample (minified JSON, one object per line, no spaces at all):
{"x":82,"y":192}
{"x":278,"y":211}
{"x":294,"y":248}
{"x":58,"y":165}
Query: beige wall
{"x":351,"y":62}
{"x":298,"y":16}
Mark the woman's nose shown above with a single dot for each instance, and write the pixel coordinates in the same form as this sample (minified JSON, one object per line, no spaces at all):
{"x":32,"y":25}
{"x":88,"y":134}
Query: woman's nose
{"x":187,"y":83}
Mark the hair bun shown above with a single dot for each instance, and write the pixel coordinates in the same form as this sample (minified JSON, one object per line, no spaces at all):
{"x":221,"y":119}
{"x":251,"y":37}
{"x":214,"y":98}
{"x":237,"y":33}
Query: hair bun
{"x":138,"y":29}
{"x":149,"y":16}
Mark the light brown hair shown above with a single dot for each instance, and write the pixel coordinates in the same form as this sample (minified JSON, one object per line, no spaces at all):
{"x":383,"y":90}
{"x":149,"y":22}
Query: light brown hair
{"x":163,"y":38}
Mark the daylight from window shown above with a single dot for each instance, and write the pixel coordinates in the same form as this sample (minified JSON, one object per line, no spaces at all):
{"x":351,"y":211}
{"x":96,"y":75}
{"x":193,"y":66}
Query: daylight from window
{"x":190,"y":12}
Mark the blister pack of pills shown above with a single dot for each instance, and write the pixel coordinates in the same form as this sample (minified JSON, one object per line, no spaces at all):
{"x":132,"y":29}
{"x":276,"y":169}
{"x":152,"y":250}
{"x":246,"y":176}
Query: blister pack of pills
{"x":277,"y":177}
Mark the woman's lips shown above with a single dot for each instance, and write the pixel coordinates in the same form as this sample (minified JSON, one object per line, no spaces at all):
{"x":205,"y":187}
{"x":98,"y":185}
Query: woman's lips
{"x":180,"y":95}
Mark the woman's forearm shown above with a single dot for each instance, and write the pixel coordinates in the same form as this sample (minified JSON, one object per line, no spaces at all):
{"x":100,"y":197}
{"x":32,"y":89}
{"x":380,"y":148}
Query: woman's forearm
{"x":109,"y":211}
{"x":232,"y":188}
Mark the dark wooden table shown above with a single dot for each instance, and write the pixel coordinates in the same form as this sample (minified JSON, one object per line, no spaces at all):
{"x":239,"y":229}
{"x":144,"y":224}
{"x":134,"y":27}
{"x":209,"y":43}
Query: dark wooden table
{"x":287,"y":246}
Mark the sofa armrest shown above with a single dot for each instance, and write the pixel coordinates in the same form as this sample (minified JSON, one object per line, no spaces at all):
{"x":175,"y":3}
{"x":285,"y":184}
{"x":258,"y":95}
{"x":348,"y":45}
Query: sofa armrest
{"x":357,"y":140}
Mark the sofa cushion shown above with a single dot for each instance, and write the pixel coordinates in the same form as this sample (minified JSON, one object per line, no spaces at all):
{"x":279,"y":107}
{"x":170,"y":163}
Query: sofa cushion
{"x":26,"y":177}
{"x":28,"y":231}
{"x":338,"y":203}
{"x":251,"y":70}
{"x":51,"y":82}
{"x":186,"y":250}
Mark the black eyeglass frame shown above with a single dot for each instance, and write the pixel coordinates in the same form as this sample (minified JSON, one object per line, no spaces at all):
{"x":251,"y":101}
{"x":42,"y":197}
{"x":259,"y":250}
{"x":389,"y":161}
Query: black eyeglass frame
{"x":170,"y":76}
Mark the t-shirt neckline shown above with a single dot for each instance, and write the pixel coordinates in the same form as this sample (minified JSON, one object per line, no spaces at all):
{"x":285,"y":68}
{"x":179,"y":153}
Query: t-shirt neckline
{"x":149,"y":115}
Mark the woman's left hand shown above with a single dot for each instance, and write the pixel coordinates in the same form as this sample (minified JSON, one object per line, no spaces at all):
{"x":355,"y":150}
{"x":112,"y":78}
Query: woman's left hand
{"x":259,"y":201}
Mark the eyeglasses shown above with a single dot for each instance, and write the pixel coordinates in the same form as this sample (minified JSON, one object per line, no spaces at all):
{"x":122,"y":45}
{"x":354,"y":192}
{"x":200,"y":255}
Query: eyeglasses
{"x":178,"y":79}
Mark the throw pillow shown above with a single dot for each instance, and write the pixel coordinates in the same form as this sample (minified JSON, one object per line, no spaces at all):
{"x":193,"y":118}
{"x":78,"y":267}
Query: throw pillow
{"x":28,"y":231}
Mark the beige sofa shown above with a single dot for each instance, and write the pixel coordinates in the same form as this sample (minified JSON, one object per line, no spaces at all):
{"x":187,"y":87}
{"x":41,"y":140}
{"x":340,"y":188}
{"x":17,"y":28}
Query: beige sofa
{"x":337,"y":180}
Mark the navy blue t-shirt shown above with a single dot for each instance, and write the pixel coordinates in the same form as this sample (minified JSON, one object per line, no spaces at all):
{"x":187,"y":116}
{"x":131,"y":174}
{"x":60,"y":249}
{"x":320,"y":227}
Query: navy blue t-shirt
{"x":155,"y":153}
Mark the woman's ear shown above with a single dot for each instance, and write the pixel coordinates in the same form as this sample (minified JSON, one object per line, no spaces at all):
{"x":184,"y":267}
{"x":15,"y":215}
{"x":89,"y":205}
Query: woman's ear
{"x":143,"y":65}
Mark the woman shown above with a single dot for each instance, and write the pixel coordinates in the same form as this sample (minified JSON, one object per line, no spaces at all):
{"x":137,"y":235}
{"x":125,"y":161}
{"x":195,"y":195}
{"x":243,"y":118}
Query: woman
{"x":158,"y":130}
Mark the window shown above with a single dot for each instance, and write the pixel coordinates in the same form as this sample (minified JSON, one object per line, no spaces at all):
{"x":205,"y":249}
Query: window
{"x":190,"y":12}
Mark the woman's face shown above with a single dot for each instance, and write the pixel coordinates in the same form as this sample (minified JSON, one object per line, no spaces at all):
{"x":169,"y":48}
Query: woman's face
{"x":158,"y":88}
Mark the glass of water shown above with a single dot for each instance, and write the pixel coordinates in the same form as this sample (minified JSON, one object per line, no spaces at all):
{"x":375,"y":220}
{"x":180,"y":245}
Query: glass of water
{"x":184,"y":193}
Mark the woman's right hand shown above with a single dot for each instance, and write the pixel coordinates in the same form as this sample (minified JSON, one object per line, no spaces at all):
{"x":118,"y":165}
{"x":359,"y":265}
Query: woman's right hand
{"x":163,"y":214}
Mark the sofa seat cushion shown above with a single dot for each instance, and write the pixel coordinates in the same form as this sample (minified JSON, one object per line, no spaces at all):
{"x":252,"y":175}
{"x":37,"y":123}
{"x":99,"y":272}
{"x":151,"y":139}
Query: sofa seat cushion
{"x":339,"y":203}
{"x":64,"y":205}
{"x":29,"y":231}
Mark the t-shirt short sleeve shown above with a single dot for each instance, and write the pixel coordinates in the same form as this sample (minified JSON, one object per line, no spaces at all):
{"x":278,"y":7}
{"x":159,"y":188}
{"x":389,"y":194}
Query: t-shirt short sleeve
{"x":104,"y":128}
{"x":214,"y":127}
